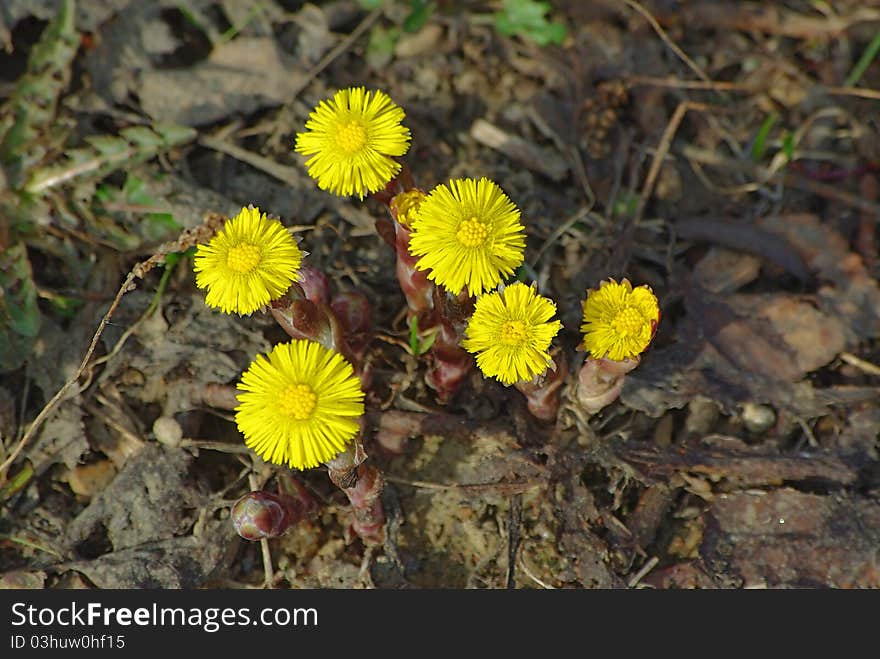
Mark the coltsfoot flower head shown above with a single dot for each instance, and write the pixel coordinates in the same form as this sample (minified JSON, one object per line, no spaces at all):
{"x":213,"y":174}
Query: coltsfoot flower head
{"x":251,"y":261}
{"x":619,"y":321}
{"x":510,"y":333}
{"x":405,"y":206}
{"x":300,"y":404}
{"x":352,"y":140}
{"x":468,"y":234}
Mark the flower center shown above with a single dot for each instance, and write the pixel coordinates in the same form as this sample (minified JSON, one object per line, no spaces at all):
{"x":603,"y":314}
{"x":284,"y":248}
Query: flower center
{"x":298,"y":401}
{"x":351,"y":137}
{"x":628,"y":322}
{"x":472,"y":233}
{"x":513,"y":332}
{"x":243,"y":258}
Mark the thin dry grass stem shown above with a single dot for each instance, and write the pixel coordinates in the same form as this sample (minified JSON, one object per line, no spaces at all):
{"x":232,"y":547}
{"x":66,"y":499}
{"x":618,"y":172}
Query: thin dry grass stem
{"x":700,"y":156}
{"x":669,"y":42}
{"x":187,"y":239}
{"x":739,"y":87}
{"x":663,"y":149}
{"x":327,"y":60}
{"x":127,"y":285}
{"x":861,"y":364}
{"x":560,"y":231}
{"x":531,"y":575}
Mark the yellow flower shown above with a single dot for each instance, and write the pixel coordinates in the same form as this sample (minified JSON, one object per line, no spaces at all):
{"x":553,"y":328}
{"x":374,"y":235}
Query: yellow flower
{"x":510,"y":332}
{"x":619,"y":320}
{"x":300,"y":404}
{"x":468,"y":234}
{"x":251,"y":261}
{"x":405,"y":206}
{"x":352,"y":138}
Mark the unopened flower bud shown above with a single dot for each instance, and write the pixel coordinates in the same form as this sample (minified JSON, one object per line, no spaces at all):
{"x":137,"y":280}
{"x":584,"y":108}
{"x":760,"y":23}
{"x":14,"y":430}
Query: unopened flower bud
{"x":259,"y":514}
{"x":315,"y":285}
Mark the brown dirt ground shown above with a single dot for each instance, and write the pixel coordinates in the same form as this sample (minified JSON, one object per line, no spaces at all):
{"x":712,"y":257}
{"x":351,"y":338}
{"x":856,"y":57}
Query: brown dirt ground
{"x":724,"y":153}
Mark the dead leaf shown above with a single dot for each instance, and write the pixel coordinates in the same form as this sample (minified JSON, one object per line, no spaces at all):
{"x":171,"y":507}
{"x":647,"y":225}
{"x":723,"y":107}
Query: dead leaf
{"x":181,"y":562}
{"x":89,"y":479}
{"x":786,"y":538}
{"x":814,"y":337}
{"x":852,"y":294}
{"x":22,"y":579}
{"x":755,"y":348}
{"x":61,"y":439}
{"x":148,"y":501}
{"x":723,"y":271}
{"x":240,"y":76}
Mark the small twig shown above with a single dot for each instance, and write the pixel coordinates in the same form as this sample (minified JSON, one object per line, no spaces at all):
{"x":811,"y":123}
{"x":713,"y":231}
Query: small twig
{"x":208,"y":445}
{"x":662,"y":150}
{"x":861,"y":364}
{"x":743,"y":88}
{"x":711,"y":157}
{"x":669,"y":42}
{"x":127,"y":285}
{"x":501,"y":488}
{"x":288,"y":175}
{"x":647,"y":567}
{"x":514,"y":537}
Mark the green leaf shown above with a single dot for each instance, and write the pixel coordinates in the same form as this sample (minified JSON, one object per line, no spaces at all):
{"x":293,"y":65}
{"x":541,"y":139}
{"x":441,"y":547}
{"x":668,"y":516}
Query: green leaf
{"x":417,"y":345}
{"x":19,"y":314}
{"x":788,"y":146}
{"x":380,"y":48}
{"x":419,"y":13}
{"x":527,"y":18}
{"x":759,"y":146}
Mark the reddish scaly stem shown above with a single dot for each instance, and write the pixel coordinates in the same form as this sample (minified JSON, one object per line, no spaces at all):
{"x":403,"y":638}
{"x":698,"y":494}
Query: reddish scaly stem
{"x":362,"y":484}
{"x":542,"y":392}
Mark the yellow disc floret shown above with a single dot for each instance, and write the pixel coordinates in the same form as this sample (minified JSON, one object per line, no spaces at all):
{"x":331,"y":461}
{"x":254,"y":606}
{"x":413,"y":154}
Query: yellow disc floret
{"x":298,"y":401}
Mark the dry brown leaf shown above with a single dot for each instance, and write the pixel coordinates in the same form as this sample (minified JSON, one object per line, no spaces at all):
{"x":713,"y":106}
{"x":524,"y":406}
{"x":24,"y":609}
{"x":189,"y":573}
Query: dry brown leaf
{"x":851,"y":294}
{"x":787,"y":538}
{"x":242,"y":75}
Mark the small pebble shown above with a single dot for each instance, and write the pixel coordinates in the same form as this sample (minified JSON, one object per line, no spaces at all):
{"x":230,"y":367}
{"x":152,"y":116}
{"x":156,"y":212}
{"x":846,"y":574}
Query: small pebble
{"x":167,"y":431}
{"x":758,"y":418}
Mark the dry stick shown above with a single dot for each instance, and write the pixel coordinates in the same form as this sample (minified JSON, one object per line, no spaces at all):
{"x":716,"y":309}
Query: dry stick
{"x":712,"y":85}
{"x":139,"y":271}
{"x":669,"y":42}
{"x":662,"y":150}
{"x":127,"y":285}
{"x":328,"y":59}
{"x":709,"y":157}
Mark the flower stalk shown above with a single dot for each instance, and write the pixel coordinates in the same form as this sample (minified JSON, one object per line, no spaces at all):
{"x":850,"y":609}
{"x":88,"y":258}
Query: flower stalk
{"x":363,"y":485}
{"x":600,"y":382}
